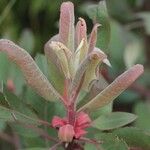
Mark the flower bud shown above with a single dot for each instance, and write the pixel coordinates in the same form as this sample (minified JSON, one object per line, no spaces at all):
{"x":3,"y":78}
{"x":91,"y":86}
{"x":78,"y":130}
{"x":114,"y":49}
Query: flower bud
{"x":66,"y":133}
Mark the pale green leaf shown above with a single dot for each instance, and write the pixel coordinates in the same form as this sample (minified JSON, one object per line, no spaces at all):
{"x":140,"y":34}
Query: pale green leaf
{"x":113,"y":120}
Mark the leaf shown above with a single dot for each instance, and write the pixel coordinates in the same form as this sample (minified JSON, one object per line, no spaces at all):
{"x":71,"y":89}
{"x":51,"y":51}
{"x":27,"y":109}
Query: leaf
{"x":93,"y":67}
{"x":133,"y":52}
{"x":90,"y":146}
{"x":116,"y":50}
{"x":134,"y":137}
{"x":62,"y":52}
{"x":17,"y":104}
{"x":4,"y":65}
{"x":34,"y":77}
{"x":114,"y":89}
{"x":56,"y":75}
{"x":81,"y":34}
{"x":92,"y":58}
{"x":98,"y":13}
{"x":12,"y":115}
{"x":42,"y":63}
{"x":146,"y":18}
{"x":142,"y":110}
{"x":24,"y":131}
{"x":117,"y":8}
{"x":27,"y":40}
{"x":93,"y":38}
{"x":66,"y":25}
{"x":113,"y":120}
{"x":111,"y":142}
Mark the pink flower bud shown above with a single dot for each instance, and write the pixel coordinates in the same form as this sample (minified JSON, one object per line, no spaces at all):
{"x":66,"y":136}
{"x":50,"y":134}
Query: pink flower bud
{"x":66,"y":133}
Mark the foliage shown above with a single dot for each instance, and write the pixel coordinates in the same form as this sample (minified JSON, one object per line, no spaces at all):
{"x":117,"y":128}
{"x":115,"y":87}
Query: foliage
{"x":27,"y":120}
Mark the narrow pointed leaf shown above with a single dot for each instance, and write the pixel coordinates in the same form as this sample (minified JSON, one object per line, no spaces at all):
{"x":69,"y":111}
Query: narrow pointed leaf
{"x":93,"y":38}
{"x":81,"y":34}
{"x":114,"y":89}
{"x":113,"y":120}
{"x":66,"y":25}
{"x":34,"y":77}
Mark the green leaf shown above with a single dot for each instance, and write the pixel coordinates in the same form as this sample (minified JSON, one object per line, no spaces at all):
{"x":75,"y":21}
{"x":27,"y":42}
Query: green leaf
{"x":146,"y":18}
{"x":120,"y":10}
{"x":24,"y":131}
{"x":42,"y":63}
{"x":142,"y":110}
{"x":90,"y":146}
{"x":134,"y":137}
{"x":4,"y":67}
{"x":27,"y":40}
{"x":113,"y":120}
{"x":12,"y":115}
{"x":17,"y":104}
{"x":133,"y":51}
{"x":98,"y":13}
{"x":111,"y":142}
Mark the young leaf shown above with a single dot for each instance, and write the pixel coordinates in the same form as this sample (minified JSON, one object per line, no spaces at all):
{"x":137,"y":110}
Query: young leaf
{"x":61,"y":52}
{"x":114,"y":89}
{"x":93,"y":56}
{"x":98,"y":13}
{"x":34,"y":77}
{"x":66,"y":25}
{"x":113,"y":120}
{"x":93,"y":38}
{"x":81,"y":34}
{"x":56,"y":75}
{"x":92,"y":68}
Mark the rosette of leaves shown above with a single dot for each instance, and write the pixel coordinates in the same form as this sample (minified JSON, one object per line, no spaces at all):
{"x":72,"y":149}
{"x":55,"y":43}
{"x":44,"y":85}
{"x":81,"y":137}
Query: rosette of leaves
{"x":74,"y":81}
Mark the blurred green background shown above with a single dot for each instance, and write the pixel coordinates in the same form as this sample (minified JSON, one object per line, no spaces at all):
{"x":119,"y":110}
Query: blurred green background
{"x":31,"y":23}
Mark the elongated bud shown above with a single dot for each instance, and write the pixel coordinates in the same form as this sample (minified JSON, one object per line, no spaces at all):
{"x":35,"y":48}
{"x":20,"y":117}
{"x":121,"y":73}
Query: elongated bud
{"x":93,"y":38}
{"x":81,"y":31}
{"x":66,"y":133}
{"x":66,"y":25}
{"x":81,"y":35}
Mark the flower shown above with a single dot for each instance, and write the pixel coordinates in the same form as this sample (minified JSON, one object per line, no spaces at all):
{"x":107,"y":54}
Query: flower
{"x":67,"y":132}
